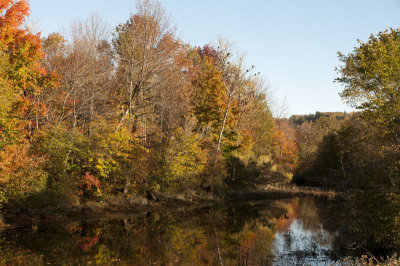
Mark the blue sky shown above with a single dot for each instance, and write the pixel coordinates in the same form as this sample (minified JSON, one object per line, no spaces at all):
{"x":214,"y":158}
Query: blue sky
{"x":293,"y":43}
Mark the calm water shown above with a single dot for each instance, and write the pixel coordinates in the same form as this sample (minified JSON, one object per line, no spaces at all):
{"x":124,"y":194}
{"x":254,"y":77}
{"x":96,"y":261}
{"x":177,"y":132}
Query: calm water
{"x":269,"y":232}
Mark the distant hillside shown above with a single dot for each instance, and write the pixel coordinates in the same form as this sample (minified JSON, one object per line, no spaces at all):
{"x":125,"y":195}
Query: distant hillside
{"x":298,"y":120}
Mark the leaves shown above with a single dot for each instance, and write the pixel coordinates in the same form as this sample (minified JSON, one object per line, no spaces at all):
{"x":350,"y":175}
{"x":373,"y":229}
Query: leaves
{"x":371,"y":76}
{"x":145,"y":111}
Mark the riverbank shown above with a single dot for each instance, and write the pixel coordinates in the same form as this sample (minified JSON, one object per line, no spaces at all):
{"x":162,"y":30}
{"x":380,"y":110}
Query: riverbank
{"x":285,"y":190}
{"x":117,"y":206}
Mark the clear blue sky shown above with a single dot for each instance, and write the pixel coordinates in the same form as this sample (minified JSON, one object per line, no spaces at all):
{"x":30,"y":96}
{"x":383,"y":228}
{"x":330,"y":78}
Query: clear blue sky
{"x":293,"y":43}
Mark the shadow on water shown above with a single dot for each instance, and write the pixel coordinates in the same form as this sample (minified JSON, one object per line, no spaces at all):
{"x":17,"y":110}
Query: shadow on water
{"x":286,"y":231}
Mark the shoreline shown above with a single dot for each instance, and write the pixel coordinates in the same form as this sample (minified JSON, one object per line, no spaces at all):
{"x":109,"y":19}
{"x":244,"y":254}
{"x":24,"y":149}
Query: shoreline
{"x":26,"y":218}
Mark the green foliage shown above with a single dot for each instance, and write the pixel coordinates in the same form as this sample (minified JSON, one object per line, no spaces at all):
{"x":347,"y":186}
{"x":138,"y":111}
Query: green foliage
{"x":243,"y":175}
{"x":298,"y":120}
{"x":380,"y":216}
{"x":371,"y":76}
{"x":9,"y":125}
{"x":355,"y":155}
{"x":65,"y":150}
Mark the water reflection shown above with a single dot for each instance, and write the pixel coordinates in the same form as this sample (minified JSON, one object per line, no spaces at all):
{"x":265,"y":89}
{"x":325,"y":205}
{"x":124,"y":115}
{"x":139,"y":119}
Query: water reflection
{"x":287,"y":231}
{"x":299,"y":246}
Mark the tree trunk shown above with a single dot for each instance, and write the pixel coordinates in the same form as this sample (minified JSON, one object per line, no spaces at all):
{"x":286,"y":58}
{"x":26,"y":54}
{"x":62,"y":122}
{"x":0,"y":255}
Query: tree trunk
{"x":131,"y":91}
{"x":134,"y":113}
{"x":2,"y":221}
{"x":127,"y":184}
{"x":221,"y":132}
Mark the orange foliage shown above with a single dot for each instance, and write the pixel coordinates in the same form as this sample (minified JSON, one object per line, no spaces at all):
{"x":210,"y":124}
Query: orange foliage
{"x":14,"y":13}
{"x":23,"y":78}
{"x":247,"y":243}
{"x":286,"y":146}
{"x":24,"y":72}
{"x":18,"y":170}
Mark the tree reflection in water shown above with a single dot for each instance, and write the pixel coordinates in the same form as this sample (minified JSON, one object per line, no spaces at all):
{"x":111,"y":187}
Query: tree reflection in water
{"x":286,"y":231}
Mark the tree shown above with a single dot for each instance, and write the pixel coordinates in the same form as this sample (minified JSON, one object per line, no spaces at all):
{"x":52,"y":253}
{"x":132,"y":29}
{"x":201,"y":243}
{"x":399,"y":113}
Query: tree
{"x":24,"y":74}
{"x":256,"y":118}
{"x":286,"y":145}
{"x":209,"y":93}
{"x":371,"y":76}
{"x":22,"y":80}
{"x":85,"y":64}
{"x":149,"y":67}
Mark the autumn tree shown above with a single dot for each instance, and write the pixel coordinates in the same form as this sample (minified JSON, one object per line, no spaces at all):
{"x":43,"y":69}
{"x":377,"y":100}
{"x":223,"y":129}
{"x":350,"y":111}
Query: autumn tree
{"x":22,"y":80}
{"x":286,"y":145}
{"x":209,"y":94}
{"x":256,"y":122}
{"x":220,"y":84}
{"x":85,"y":117}
{"x":85,"y":64}
{"x":24,"y":72}
{"x":150,"y":68}
{"x":371,"y":76}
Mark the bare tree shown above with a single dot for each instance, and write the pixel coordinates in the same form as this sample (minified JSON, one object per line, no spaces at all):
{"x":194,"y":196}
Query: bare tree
{"x":281,"y":110}
{"x":148,"y":56}
{"x":86,"y":67}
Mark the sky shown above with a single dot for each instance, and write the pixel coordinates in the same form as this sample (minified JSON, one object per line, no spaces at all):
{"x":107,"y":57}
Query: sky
{"x":293,"y":43}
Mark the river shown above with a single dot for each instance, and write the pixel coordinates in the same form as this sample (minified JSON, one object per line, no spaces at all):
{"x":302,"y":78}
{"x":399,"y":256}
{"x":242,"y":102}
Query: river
{"x":289,"y":231}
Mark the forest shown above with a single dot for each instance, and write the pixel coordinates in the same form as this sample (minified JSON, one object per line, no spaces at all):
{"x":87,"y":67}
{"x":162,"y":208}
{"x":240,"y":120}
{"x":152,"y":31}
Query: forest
{"x":135,"y":115}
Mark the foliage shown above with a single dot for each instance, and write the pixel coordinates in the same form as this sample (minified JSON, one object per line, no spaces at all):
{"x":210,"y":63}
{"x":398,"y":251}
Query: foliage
{"x":20,"y":173}
{"x":82,"y":118}
{"x":316,"y":146}
{"x":285,"y":141}
{"x":185,"y":159}
{"x":370,"y":75}
{"x":21,"y":80}
{"x":75,"y":163}
{"x":209,"y":95}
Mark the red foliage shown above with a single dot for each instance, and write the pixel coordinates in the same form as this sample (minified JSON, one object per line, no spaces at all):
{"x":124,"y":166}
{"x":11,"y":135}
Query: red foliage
{"x":88,"y":242}
{"x":209,"y":52}
{"x":85,"y":241}
{"x":88,"y":181}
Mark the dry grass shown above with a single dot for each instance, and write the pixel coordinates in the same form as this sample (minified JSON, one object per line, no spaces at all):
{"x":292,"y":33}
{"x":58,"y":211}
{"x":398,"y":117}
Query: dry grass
{"x":297,"y":190}
{"x":369,"y":261}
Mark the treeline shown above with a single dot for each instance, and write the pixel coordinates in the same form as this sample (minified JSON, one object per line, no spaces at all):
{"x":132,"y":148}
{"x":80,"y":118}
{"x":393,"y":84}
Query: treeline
{"x":298,"y":120}
{"x":344,"y":151}
{"x":312,"y":132}
{"x":93,"y":116}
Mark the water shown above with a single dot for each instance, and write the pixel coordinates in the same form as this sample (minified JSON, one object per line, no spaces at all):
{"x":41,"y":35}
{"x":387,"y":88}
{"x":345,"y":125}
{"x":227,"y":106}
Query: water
{"x":294,"y":231}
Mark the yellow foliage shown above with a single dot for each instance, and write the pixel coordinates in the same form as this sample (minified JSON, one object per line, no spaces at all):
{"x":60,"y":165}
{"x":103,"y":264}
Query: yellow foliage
{"x":184,"y":156}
